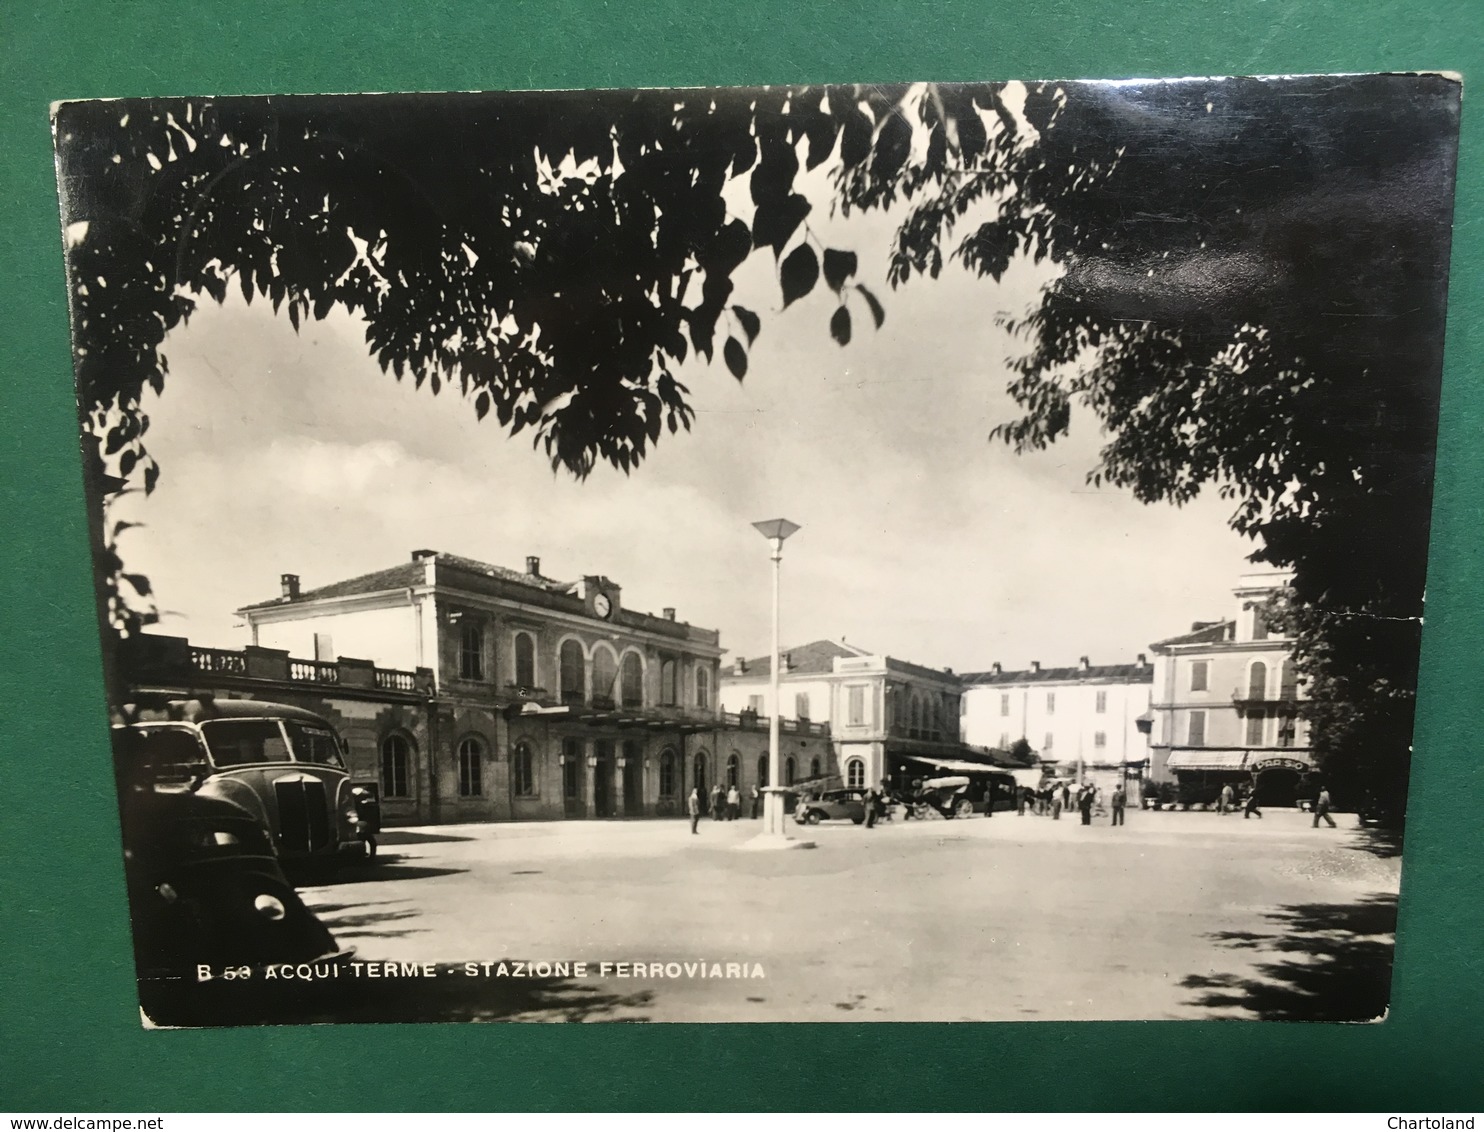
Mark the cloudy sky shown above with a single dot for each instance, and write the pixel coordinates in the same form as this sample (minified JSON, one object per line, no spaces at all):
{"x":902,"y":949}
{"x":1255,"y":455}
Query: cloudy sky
{"x":284,"y":452}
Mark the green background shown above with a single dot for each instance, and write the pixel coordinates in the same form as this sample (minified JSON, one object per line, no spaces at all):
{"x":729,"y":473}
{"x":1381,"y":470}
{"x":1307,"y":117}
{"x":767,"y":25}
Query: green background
{"x":69,"y":1034}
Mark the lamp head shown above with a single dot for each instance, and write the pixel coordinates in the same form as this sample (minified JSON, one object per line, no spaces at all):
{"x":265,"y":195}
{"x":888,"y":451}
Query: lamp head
{"x":778,"y":529}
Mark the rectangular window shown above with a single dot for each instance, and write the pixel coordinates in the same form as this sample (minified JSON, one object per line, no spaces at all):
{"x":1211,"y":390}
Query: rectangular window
{"x":1004,"y":740}
{"x":801,"y":706}
{"x":471,"y":651}
{"x":857,"y":709}
{"x":1287,"y":728}
{"x":755,"y":705}
{"x":667,"y":683}
{"x":1050,"y":703}
{"x":1102,"y":704}
{"x":1004,"y":703}
{"x":1199,"y":671}
{"x":1046,"y":746}
{"x":1197,"y":736}
{"x":1254,"y":730}
{"x":1259,"y":625}
{"x":1100,"y":739}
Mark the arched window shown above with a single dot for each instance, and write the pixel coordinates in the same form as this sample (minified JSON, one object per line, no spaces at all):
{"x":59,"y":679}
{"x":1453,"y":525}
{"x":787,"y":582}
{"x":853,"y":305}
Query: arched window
{"x":667,"y":683}
{"x":396,"y":757}
{"x":703,"y":687}
{"x":788,"y":771}
{"x":762,"y":771}
{"x":605,"y":678}
{"x":471,"y":649}
{"x":700,"y":775}
{"x":813,"y":768}
{"x":631,"y":674}
{"x":855,"y":774}
{"x":574,"y":673}
{"x":937,"y":710}
{"x":915,"y":730}
{"x":523,"y":770}
{"x":667,"y":773}
{"x":471,"y":768}
{"x":1288,"y":682}
{"x":734,"y":769}
{"x":525,"y":660}
{"x":1257,"y":681}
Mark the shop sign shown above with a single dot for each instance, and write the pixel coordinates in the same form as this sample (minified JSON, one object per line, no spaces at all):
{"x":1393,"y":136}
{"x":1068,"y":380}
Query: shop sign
{"x":1280,"y":764}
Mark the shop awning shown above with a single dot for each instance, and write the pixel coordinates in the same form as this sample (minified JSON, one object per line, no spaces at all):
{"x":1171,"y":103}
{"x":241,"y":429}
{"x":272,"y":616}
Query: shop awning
{"x":1207,"y":760}
{"x":959,"y":766}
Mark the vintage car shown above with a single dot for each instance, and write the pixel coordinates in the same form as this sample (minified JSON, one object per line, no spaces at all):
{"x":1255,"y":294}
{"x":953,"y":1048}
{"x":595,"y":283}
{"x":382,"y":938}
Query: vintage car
{"x":285,"y":766}
{"x":832,"y":805}
{"x":206,"y":888}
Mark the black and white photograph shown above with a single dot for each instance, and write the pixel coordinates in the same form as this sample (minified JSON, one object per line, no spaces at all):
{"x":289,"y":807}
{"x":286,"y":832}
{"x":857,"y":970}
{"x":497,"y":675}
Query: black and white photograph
{"x":900,"y":553}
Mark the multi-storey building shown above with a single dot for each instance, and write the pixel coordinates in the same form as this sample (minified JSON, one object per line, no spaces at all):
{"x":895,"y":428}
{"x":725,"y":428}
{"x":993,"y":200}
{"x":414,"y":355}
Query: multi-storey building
{"x":1226,"y":702}
{"x":887,"y":718}
{"x":491,"y":694}
{"x":1087,"y":722}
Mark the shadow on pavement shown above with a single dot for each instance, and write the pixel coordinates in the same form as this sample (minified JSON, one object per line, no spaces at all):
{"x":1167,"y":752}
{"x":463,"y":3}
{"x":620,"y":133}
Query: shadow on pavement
{"x":381,"y":868}
{"x":1378,"y":841}
{"x":410,"y":837}
{"x":1334,"y":964}
{"x":446,"y":997}
{"x":366,"y":920}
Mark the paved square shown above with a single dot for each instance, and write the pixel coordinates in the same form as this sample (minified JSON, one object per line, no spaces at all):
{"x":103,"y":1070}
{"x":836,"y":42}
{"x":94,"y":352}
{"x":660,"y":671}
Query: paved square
{"x":1176,"y":915}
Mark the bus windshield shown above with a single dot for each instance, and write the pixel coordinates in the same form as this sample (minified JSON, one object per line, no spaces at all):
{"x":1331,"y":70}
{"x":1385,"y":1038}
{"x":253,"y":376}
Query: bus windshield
{"x":236,"y":742}
{"x":313,"y":744}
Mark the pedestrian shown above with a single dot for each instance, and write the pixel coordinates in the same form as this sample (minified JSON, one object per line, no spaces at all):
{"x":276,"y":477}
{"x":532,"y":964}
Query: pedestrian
{"x":869,"y":801}
{"x":1249,"y":806}
{"x":693,"y":807}
{"x":734,"y":803}
{"x":1085,"y":798}
{"x":1020,"y":793}
{"x":1119,"y":800}
{"x":1056,"y":797}
{"x":1066,"y":795}
{"x":1227,"y":797}
{"x":716,"y":796}
{"x":1321,"y":808}
{"x":757,"y":800}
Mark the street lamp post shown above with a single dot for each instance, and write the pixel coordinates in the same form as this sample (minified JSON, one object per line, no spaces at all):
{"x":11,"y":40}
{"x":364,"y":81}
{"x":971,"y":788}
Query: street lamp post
{"x":775,"y":531}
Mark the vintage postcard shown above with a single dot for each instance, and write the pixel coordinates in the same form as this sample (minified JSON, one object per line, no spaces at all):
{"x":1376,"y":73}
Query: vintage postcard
{"x":861,"y":553}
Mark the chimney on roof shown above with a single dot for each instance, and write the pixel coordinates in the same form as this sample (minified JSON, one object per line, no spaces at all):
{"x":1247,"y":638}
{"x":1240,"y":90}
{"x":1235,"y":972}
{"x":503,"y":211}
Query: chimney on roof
{"x":1083,"y":663}
{"x":995,"y":668}
{"x":1142,"y":661}
{"x":290,"y":586}
{"x":739,"y":666}
{"x":533,"y":566}
{"x":1035,"y":666}
{"x":419,"y":555}
{"x":788,"y":663}
{"x":669,"y":612}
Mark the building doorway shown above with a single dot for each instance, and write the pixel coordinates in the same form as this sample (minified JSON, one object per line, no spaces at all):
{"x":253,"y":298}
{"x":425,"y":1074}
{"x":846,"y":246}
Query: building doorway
{"x":573,"y":803}
{"x":603,"y":779}
{"x":1278,"y":786}
{"x":633,"y":780}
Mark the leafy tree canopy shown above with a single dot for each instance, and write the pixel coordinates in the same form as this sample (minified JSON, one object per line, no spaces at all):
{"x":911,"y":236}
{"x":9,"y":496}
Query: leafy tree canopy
{"x":1250,"y":295}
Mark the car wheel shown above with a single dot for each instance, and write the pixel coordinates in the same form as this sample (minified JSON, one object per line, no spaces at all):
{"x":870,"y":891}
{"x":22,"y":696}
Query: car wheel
{"x":966,"y":809}
{"x":811,"y":818}
{"x":857,"y":821}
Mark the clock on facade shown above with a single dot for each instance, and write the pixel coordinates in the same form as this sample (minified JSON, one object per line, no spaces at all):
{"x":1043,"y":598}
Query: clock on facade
{"x":602,"y":606}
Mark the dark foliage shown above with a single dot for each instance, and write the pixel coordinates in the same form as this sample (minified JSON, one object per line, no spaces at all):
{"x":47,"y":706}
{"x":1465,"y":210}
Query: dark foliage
{"x":1250,"y":298}
{"x":1251,"y":301}
{"x":1329,"y":963}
